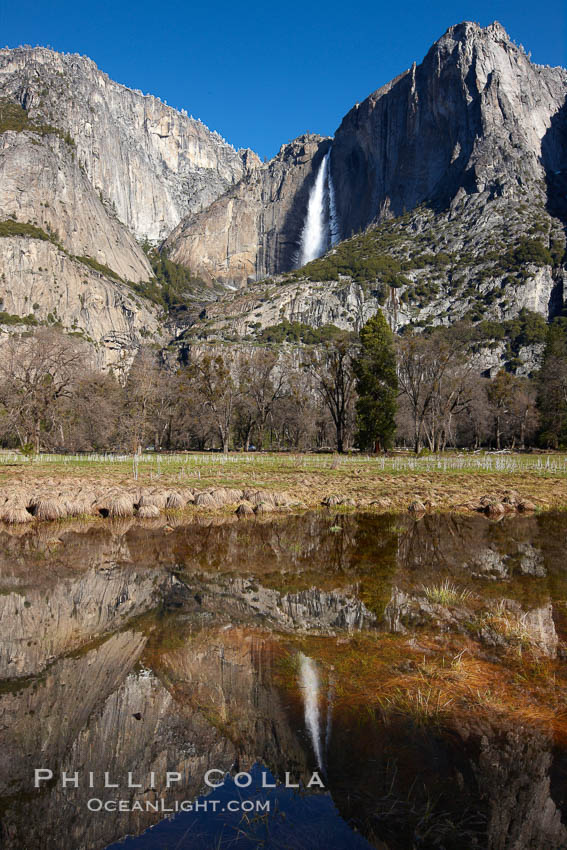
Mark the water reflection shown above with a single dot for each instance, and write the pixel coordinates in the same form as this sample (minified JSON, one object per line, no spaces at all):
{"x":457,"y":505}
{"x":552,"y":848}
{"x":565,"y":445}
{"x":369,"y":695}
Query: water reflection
{"x":309,"y":684}
{"x":225,"y":646}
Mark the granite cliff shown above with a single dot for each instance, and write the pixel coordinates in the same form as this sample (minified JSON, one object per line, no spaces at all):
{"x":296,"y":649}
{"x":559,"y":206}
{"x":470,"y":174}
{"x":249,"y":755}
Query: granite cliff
{"x":89,"y":169}
{"x":254,"y":229}
{"x":151,"y":163}
{"x":448,"y":185}
{"x":476,"y":135}
{"x":476,"y":120}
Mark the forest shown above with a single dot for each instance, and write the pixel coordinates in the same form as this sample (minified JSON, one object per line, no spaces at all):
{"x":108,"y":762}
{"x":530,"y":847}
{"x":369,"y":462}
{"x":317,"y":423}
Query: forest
{"x":370,"y":391}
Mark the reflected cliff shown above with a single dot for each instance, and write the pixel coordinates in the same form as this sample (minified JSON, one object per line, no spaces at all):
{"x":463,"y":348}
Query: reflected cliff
{"x":418,"y":664}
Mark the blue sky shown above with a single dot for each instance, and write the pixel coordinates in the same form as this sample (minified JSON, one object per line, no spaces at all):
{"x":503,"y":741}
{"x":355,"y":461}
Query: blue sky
{"x":262,"y":74}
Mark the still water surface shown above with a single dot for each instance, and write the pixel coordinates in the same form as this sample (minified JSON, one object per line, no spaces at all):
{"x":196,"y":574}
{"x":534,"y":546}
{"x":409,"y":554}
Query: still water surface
{"x":415,"y":667}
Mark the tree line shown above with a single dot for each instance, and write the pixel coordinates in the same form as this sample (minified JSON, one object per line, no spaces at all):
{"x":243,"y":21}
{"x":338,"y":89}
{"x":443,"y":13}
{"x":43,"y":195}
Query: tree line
{"x":369,"y":391}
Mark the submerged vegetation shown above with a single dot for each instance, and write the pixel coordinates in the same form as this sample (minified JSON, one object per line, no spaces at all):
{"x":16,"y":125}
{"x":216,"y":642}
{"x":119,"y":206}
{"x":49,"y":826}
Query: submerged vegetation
{"x":446,"y":593}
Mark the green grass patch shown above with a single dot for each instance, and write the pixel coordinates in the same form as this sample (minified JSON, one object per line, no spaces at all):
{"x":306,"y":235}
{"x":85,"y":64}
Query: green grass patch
{"x":15,"y":118}
{"x":99,"y":267}
{"x":9,"y":227}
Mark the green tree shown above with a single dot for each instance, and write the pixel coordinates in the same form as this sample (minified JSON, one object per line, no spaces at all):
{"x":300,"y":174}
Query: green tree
{"x":376,"y":385}
{"x":552,"y":387}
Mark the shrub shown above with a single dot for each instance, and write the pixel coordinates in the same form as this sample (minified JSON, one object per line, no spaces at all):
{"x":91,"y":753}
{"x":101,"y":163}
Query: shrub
{"x":11,"y":319}
{"x":173,"y":286}
{"x":99,"y":267}
{"x":14,"y":117}
{"x":528,"y":251}
{"x":20,"y":228}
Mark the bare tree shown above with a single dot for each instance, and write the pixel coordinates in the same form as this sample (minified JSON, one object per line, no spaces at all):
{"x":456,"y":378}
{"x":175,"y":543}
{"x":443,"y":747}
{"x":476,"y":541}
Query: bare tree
{"x":145,"y":391}
{"x":208,"y":384}
{"x":38,"y":372}
{"x":432,"y":377}
{"x":334,"y":381}
{"x":262,"y":383}
{"x":93,"y":412}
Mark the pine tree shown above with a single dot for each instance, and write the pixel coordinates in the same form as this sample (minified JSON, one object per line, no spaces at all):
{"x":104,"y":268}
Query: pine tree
{"x":376,"y":385}
{"x":552,"y":387}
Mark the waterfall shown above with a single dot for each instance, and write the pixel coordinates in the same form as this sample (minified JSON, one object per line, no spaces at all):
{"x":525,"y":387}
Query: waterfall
{"x":320,"y":229}
{"x":309,"y":683}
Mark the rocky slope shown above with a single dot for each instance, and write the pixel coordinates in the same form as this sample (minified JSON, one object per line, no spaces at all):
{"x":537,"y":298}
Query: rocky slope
{"x":475,"y":133}
{"x":421,"y":268}
{"x":455,"y":172}
{"x":255,"y":228}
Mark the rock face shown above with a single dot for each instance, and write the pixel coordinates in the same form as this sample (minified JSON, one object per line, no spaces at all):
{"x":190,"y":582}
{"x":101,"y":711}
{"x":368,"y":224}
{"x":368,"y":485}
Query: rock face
{"x":308,"y":610}
{"x":122,"y":166}
{"x":476,"y":121}
{"x":42,"y":618}
{"x":468,"y":150}
{"x":151,"y":164}
{"x":461,"y":156}
{"x":476,"y":117}
{"x":50,"y":279}
{"x":255,"y":228}
{"x":42,"y":280}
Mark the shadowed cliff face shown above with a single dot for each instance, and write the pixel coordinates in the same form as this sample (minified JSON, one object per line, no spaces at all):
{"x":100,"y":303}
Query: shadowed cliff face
{"x":475,"y":129}
{"x":469,"y":120}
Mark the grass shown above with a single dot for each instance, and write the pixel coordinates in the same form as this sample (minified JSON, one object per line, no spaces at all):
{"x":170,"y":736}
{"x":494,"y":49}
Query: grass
{"x":446,"y":593}
{"x":449,"y":481}
{"x":508,"y":625}
{"x":423,"y":706}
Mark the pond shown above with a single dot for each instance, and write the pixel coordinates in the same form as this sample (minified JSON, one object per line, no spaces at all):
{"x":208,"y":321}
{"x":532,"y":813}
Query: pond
{"x":325,"y":680}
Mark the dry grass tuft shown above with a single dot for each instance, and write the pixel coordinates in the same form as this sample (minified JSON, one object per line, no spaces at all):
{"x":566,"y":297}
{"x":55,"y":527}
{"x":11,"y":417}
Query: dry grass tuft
{"x":14,"y":514}
{"x":175,"y":501}
{"x":155,"y":499}
{"x":146,"y":511}
{"x":446,"y":593}
{"x":423,"y":706}
{"x":121,"y":506}
{"x":508,"y":624}
{"x":50,"y":508}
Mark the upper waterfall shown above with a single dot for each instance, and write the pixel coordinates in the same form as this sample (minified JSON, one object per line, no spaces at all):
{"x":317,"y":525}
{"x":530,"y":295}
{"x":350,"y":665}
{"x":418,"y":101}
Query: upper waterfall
{"x":320,"y":229}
